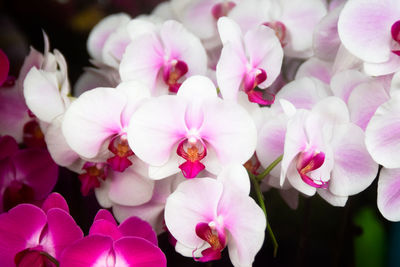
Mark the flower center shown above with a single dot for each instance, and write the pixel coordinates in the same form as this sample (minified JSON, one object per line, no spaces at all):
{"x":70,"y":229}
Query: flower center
{"x":90,"y":179}
{"x":396,"y":37}
{"x":252,"y":79}
{"x":215,"y":237}
{"x":222,"y":9}
{"x":173,"y":71}
{"x":120,"y":148}
{"x":280,"y":30}
{"x":34,"y":257}
{"x":192,"y":150}
{"x":307,"y":162}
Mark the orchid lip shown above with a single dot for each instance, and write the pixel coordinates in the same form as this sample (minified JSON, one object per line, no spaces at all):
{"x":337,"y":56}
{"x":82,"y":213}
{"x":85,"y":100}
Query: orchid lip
{"x":215,"y":237}
{"x":120,"y":148}
{"x":94,"y":172}
{"x":309,"y":161}
{"x":192,"y":150}
{"x":173,"y":71}
{"x":252,"y":79}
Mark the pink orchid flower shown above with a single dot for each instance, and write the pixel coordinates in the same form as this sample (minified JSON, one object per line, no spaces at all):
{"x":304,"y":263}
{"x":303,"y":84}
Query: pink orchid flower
{"x":95,"y":124}
{"x":293,"y":21}
{"x":40,"y":240}
{"x":371,"y":31}
{"x":194,"y":130}
{"x":244,"y":63}
{"x":168,"y":54}
{"x":27,"y":175}
{"x":324,"y":152}
{"x":132,"y":243}
{"x":218,"y":213}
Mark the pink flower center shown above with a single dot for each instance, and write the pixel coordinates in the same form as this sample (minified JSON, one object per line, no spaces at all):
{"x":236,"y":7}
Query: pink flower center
{"x":93,"y":173}
{"x":213,"y":236}
{"x":222,"y":9}
{"x":173,"y":71}
{"x":252,"y":79}
{"x":34,"y":257}
{"x":120,"y":148}
{"x":280,"y":30}
{"x":17,"y":193}
{"x":396,"y":36}
{"x":307,"y":162}
{"x":192,"y":150}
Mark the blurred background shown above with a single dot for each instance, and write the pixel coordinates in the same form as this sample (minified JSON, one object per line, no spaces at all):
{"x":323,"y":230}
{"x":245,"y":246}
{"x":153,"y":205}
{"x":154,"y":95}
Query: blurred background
{"x":316,"y":234}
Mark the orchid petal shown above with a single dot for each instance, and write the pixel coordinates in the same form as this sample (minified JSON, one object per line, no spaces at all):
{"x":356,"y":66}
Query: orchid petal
{"x":388,"y":192}
{"x":92,"y":118}
{"x":136,"y":227}
{"x":55,"y":200}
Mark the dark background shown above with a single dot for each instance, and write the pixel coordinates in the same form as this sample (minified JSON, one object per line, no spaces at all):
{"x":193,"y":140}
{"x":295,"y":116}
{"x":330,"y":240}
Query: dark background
{"x":316,"y":234}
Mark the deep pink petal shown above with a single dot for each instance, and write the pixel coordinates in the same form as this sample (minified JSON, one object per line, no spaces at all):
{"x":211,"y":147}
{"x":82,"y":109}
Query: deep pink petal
{"x":105,"y":228}
{"x":4,"y":67}
{"x":136,"y":227}
{"x":55,"y":200}
{"x":135,"y":251}
{"x":35,"y":168}
{"x":91,"y":251}
{"x":16,"y":234}
{"x":105,"y":215}
{"x":62,"y":231}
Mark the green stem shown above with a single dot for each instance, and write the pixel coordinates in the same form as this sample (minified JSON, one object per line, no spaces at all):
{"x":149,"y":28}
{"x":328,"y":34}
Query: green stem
{"x":262,"y":175}
{"x":261,"y":202}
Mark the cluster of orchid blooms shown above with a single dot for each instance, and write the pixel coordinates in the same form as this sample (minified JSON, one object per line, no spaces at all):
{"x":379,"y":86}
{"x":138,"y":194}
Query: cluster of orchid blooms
{"x":183,"y":110}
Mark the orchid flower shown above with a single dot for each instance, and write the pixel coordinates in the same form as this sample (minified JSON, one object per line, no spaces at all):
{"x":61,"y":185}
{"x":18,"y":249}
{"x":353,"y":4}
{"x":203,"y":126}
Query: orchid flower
{"x":244,"y":63}
{"x":371,"y":31}
{"x":218,"y":213}
{"x":132,"y":243}
{"x":194,"y":130}
{"x":42,"y":239}
{"x":293,"y":21}
{"x":324,"y":152}
{"x":95,"y":124}
{"x":168,"y":54}
{"x":27,"y":175}
{"x":4,"y":68}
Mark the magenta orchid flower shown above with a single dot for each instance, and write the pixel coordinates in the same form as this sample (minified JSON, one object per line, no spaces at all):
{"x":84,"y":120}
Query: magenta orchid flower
{"x":40,"y":240}
{"x":95,"y":124}
{"x":169,"y":54}
{"x":132,"y":243}
{"x":371,"y":31}
{"x":192,"y":131}
{"x":28,"y":175}
{"x":244,"y":63}
{"x":324,"y":152}
{"x":4,"y":68}
{"x":218,"y":213}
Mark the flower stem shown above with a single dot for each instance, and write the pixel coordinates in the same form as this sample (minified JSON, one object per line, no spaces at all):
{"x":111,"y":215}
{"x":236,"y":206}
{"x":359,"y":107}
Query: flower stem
{"x":262,"y":175}
{"x":260,"y":199}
